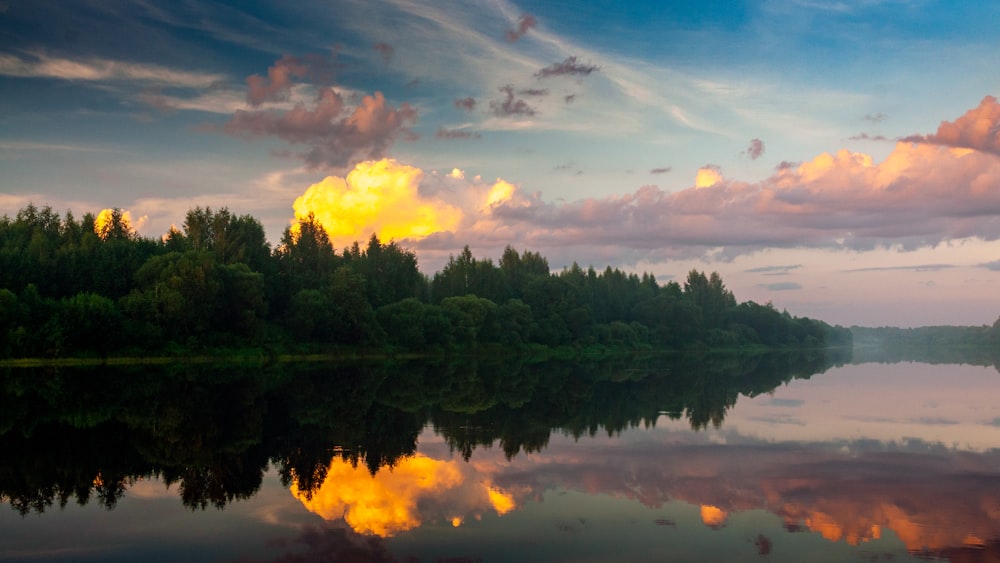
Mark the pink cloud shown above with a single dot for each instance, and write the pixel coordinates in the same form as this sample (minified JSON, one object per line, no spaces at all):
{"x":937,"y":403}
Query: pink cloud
{"x":919,"y":196}
{"x":279,"y":80}
{"x":336,"y":137}
{"x":526,"y":22}
{"x":755,"y":150}
{"x":978,"y":129}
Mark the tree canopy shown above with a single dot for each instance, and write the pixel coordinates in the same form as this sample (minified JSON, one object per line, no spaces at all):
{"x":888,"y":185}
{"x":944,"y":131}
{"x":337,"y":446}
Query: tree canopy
{"x":94,"y":286}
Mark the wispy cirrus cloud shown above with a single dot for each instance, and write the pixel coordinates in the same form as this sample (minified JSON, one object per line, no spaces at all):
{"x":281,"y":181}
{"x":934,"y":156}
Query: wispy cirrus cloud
{"x":39,"y":65}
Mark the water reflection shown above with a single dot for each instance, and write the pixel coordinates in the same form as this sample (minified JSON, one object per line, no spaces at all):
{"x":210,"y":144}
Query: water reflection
{"x":399,"y":450}
{"x":402,"y":497}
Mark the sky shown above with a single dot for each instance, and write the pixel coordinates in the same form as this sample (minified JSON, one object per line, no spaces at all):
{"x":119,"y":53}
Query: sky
{"x":839,"y":159}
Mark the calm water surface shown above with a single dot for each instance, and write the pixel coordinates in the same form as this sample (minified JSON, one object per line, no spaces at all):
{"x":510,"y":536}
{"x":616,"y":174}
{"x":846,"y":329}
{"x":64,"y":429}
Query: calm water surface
{"x":709,"y":459}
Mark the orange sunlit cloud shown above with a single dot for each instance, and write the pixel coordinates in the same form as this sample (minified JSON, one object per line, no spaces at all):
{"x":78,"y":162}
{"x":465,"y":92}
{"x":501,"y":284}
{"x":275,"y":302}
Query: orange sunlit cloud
{"x":418,"y":489}
{"x":393,"y":201}
{"x":713,"y":516}
{"x":103,"y":220}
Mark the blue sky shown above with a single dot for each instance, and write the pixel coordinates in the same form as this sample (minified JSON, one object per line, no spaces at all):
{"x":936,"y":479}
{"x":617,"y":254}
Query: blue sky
{"x":836,"y":158}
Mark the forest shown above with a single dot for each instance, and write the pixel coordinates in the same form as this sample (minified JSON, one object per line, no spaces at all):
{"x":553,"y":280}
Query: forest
{"x":94,"y":288}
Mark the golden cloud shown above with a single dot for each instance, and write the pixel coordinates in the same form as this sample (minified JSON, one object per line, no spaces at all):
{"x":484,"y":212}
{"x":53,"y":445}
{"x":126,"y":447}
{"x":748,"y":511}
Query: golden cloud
{"x":385,"y":197}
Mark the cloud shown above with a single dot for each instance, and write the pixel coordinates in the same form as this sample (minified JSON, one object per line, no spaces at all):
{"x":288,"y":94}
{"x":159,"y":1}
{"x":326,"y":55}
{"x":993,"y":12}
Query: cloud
{"x":29,"y":146}
{"x":381,"y":197}
{"x":919,"y":196}
{"x":385,"y":50}
{"x":662,"y":170}
{"x":569,"y":98}
{"x":524,"y":23}
{"x":276,"y":85}
{"x":918,"y":268}
{"x":773,"y":270}
{"x":537,"y":92}
{"x":867,"y":137}
{"x":154,"y":98}
{"x":510,"y":105}
{"x":977,"y":129}
{"x":400,"y":202}
{"x":755,"y":150}
{"x":443,"y":133}
{"x":102,"y":70}
{"x":468,"y":104}
{"x":708,"y":176}
{"x":568,"y":67}
{"x":336,"y":136}
{"x":875,"y":117}
{"x":780,"y":286}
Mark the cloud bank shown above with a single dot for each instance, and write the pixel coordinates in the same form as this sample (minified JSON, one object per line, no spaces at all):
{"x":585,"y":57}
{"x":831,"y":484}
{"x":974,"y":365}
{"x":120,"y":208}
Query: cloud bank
{"x":921,"y":195}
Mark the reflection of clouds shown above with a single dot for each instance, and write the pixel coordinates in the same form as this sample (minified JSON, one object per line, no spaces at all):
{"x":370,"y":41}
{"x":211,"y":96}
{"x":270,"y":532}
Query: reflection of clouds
{"x":775,"y":402}
{"x":151,"y":489}
{"x":898,"y":401}
{"x":779,"y":419}
{"x":930,"y":497}
{"x":400,"y":498}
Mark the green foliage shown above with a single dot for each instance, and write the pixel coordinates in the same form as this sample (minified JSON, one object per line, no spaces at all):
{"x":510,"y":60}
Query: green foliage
{"x":71,"y":286}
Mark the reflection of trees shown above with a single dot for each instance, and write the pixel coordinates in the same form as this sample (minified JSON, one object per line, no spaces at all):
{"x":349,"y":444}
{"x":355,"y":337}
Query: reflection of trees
{"x":582,"y":399}
{"x":91,"y":433}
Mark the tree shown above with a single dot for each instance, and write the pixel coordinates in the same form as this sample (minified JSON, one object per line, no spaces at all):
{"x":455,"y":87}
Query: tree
{"x":180,"y":290}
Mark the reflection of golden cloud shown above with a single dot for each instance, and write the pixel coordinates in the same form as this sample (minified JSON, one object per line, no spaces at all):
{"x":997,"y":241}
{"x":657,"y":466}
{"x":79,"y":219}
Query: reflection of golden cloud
{"x":403,"y":497}
{"x":501,"y":501}
{"x":713,"y":516}
{"x":380,"y":197}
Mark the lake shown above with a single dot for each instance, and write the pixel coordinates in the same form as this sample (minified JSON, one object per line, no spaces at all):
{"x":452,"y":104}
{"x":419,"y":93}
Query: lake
{"x":712,"y":458}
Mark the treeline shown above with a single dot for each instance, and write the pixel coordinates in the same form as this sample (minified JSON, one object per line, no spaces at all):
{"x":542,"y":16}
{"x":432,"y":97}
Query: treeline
{"x":93,"y":286}
{"x":978,"y":345}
